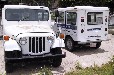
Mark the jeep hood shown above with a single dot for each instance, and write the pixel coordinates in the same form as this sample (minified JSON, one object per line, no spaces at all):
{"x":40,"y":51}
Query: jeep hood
{"x":17,"y":29}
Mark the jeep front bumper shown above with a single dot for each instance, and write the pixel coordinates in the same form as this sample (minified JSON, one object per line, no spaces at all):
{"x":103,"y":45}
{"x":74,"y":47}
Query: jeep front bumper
{"x":39,"y":57}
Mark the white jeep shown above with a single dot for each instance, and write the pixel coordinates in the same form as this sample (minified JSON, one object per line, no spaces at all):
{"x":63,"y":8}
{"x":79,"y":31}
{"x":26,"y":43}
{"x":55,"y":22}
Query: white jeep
{"x":28,"y":34}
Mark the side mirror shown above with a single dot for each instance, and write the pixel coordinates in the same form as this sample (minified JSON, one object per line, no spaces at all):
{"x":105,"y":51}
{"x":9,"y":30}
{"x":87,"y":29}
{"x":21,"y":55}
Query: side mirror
{"x":56,"y":13}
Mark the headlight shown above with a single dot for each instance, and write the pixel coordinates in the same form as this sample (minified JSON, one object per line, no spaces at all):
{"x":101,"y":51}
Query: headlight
{"x":23,"y":41}
{"x":50,"y":39}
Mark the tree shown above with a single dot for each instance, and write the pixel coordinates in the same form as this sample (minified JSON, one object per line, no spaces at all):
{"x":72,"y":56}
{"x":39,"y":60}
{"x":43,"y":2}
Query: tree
{"x":67,"y":3}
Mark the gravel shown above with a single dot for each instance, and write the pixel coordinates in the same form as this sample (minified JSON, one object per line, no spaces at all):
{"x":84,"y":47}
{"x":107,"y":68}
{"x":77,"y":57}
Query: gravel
{"x":86,"y":57}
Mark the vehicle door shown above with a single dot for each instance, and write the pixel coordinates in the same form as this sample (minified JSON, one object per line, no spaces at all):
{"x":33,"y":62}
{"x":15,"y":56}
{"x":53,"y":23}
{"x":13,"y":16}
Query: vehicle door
{"x":71,"y":26}
{"x":61,"y":22}
{"x":96,"y":24}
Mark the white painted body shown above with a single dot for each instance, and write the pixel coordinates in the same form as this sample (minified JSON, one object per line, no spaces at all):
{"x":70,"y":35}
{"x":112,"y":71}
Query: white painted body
{"x":19,"y":29}
{"x":91,"y":32}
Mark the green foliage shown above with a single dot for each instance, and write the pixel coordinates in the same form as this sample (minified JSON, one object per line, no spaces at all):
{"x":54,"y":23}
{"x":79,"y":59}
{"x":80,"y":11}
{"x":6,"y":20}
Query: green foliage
{"x":78,"y":66}
{"x":63,"y":3}
{"x":68,"y":3}
{"x":53,"y":16}
{"x":14,"y":1}
{"x":44,"y":71}
{"x":107,"y":69}
{"x":2,"y":73}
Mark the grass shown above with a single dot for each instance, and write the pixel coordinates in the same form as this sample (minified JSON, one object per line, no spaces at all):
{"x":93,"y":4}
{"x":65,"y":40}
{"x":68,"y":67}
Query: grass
{"x":44,"y":71}
{"x":106,"y":69}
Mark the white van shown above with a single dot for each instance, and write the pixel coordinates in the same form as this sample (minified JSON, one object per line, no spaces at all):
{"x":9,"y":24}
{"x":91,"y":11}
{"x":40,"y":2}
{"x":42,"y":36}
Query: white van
{"x":83,"y":25}
{"x":28,"y":34}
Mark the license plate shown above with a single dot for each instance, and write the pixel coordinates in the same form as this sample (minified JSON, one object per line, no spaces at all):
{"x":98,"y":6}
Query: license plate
{"x":92,"y":44}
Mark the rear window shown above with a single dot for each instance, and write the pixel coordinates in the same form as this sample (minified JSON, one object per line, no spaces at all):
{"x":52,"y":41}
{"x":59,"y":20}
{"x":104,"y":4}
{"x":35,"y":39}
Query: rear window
{"x":94,"y":18}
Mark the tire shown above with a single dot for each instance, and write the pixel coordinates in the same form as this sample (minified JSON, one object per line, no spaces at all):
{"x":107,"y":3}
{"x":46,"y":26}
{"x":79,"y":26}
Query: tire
{"x":56,"y":62}
{"x":69,"y":44}
{"x":98,"y":44}
{"x":8,"y":67}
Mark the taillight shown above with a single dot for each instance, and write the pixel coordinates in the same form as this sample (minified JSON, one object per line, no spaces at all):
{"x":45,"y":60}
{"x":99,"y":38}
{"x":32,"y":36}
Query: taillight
{"x":105,"y":29}
{"x":82,"y":19}
{"x":105,"y":18}
{"x":82,"y":31}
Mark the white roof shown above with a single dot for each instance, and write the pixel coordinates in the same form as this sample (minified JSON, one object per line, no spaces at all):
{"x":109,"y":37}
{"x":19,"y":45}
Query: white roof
{"x":25,"y":6}
{"x":83,"y":7}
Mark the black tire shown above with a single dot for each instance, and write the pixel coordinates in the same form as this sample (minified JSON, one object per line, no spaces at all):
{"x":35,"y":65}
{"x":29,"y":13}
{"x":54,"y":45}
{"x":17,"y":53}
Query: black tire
{"x":69,"y":44}
{"x":8,"y":67}
{"x":98,"y":44}
{"x":56,"y":62}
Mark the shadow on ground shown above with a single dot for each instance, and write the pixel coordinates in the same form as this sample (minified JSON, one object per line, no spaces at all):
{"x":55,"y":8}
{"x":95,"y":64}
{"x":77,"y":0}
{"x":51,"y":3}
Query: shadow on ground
{"x":87,"y":51}
{"x":32,"y":68}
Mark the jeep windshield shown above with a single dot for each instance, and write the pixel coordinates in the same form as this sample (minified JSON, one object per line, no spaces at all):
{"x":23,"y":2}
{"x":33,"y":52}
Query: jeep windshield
{"x":26,"y":15}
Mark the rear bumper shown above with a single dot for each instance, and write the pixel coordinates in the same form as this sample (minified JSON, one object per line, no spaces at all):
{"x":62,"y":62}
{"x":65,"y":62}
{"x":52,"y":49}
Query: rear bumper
{"x":92,"y":41}
{"x":41,"y":57}
{"x":88,"y":41}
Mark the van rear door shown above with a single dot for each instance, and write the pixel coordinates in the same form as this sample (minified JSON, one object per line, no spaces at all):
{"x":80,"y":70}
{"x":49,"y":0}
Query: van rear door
{"x":96,"y":25}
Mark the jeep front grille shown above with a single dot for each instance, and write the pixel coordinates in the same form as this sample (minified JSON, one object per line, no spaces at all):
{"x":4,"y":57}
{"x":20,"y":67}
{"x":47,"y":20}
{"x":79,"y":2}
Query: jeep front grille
{"x":36,"y":44}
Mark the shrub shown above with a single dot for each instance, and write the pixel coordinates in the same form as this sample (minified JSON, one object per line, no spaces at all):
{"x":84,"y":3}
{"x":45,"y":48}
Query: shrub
{"x":106,"y":69}
{"x":45,"y":71}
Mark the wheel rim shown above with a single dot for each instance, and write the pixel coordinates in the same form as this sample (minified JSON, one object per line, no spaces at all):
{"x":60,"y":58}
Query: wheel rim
{"x":69,"y":44}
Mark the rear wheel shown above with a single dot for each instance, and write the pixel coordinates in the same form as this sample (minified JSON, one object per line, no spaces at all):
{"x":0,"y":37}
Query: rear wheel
{"x":98,"y":44}
{"x":56,"y":61}
{"x":69,"y":44}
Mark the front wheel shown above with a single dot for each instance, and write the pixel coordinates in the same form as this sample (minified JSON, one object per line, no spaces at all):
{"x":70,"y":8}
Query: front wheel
{"x":56,"y":61}
{"x":69,"y":44}
{"x":8,"y":67}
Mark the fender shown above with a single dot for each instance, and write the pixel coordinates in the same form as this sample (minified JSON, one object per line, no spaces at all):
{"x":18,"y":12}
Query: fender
{"x":11,"y":45}
{"x":58,"y":43}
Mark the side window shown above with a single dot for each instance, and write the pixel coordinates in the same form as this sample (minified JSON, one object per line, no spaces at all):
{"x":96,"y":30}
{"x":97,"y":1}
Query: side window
{"x":95,"y":18}
{"x":61,"y":18}
{"x":71,"y":18}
